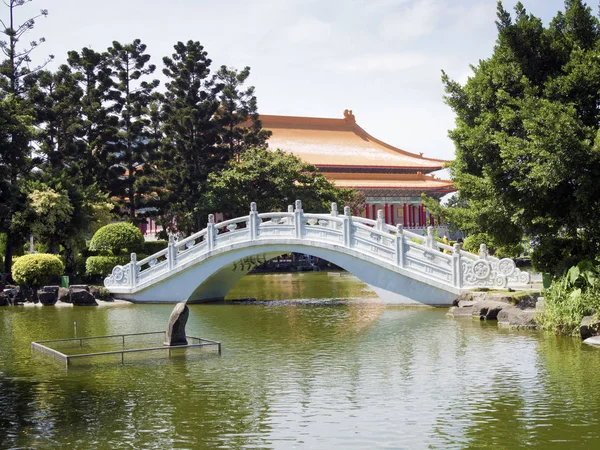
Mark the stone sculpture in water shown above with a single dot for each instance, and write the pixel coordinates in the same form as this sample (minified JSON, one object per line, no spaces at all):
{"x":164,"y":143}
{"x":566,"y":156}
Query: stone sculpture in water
{"x":176,"y":327}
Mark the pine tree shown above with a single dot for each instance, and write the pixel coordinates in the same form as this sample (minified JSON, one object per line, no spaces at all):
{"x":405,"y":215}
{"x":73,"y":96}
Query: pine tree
{"x":16,"y":117}
{"x":99,"y":127}
{"x":237,"y":114}
{"x":130,"y":98}
{"x":189,"y":151}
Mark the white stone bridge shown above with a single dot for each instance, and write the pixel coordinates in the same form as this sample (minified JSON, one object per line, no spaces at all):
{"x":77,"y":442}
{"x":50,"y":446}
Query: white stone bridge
{"x":400,"y":266}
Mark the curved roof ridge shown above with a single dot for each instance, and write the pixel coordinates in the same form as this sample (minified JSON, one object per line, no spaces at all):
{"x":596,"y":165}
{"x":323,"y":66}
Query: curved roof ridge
{"x":361,"y":131}
{"x":323,"y":143}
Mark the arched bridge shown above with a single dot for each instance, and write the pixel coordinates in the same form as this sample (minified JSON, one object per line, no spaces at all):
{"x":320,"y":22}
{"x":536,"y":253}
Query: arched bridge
{"x":400,"y":266}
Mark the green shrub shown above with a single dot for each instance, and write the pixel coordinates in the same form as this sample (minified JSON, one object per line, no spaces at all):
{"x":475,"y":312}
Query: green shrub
{"x":36,"y":269}
{"x":570,"y":298}
{"x":116,"y":237}
{"x":151,"y":247}
{"x":471,"y":243}
{"x":103,"y":265}
{"x":509,"y":251}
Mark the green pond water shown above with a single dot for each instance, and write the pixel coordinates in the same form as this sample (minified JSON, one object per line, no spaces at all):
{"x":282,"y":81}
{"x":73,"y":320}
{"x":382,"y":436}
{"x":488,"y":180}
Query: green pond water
{"x":299,"y":375}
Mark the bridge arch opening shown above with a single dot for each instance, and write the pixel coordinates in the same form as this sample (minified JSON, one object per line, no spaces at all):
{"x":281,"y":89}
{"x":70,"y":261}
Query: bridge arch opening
{"x":217,"y":276}
{"x":329,"y":281}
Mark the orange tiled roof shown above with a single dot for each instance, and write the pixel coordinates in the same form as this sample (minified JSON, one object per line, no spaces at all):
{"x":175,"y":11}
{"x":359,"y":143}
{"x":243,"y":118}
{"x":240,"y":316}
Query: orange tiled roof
{"x":340,"y":143}
{"x":390,"y":181}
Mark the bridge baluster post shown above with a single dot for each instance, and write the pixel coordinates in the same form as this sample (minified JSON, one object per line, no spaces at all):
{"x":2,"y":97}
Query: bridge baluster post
{"x":253,"y":221}
{"x":457,"y":276}
{"x":171,"y":252}
{"x":210,"y":232}
{"x":347,"y":227}
{"x":483,"y":253}
{"x":334,"y":213}
{"x":380,"y":220}
{"x":400,"y":245}
{"x":430,"y":240}
{"x":133,"y":270}
{"x":299,"y":224}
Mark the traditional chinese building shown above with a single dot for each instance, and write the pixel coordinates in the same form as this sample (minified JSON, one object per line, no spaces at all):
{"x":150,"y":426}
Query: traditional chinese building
{"x":392,"y":179}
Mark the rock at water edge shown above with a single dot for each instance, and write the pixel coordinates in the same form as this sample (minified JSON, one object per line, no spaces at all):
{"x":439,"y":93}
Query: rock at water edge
{"x":176,"y":327}
{"x":83,"y":298}
{"x":515,"y":317}
{"x":488,"y":309}
{"x":47,"y":298}
{"x":590,"y":326}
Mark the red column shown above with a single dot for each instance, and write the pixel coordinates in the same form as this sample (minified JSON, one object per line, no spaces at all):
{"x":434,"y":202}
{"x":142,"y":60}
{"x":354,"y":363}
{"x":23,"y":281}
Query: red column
{"x":367,"y":211}
{"x":392,"y":215}
{"x":418,"y":221}
{"x":373,"y":211}
{"x":412,"y":215}
{"x":404,"y":212}
{"x":439,"y":221}
{"x":385,"y":209}
{"x":431,"y":220}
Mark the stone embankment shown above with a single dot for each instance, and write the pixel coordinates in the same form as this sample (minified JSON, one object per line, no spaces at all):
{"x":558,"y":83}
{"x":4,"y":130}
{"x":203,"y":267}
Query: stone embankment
{"x":77,"y":295}
{"x":515,"y":310}
{"x":509,"y":309}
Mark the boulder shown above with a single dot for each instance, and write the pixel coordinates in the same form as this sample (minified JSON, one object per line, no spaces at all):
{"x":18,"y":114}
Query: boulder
{"x":47,"y":298}
{"x":590,"y":326}
{"x":176,"y":327}
{"x":488,"y":309}
{"x":80,"y":287}
{"x":593,"y":341}
{"x":64,"y":295}
{"x":502,"y":298}
{"x":82,"y":298}
{"x":53,"y":289}
{"x":101,"y":293}
{"x":467,"y":298}
{"x":516,"y":317}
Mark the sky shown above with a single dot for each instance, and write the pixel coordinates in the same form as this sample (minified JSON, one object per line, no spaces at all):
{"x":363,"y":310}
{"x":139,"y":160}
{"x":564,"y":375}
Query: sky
{"x":382,"y":59}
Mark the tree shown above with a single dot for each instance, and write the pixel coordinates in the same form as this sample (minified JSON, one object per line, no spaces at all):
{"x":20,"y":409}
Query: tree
{"x":91,"y":71}
{"x":527,"y":136}
{"x":16,"y":133}
{"x":208,"y":120}
{"x":63,"y":168}
{"x":15,"y":117}
{"x":16,"y":65}
{"x":272,"y":179}
{"x":237,"y":115}
{"x":189,"y":148}
{"x":130,"y":98}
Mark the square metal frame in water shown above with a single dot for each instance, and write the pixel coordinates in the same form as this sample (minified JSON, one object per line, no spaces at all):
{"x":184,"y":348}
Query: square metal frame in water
{"x":40,"y":346}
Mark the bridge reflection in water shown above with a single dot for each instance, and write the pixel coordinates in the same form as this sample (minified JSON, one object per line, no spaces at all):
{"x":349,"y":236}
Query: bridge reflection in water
{"x":402,"y":267}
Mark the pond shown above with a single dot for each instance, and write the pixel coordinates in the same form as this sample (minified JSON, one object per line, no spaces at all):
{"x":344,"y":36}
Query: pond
{"x":302,"y":374}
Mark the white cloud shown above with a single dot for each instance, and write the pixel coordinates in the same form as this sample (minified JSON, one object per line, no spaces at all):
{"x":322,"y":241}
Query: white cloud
{"x":389,"y":62}
{"x":415,"y":20}
{"x":308,"y":30}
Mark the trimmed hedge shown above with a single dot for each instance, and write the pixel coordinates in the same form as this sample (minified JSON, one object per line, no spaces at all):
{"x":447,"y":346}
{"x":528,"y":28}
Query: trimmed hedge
{"x":151,"y":247}
{"x":36,"y":269}
{"x":103,"y":265}
{"x":115,"y":237}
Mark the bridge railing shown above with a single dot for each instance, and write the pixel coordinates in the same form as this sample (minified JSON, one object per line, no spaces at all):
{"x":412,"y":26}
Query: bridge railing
{"x":374,"y":238}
